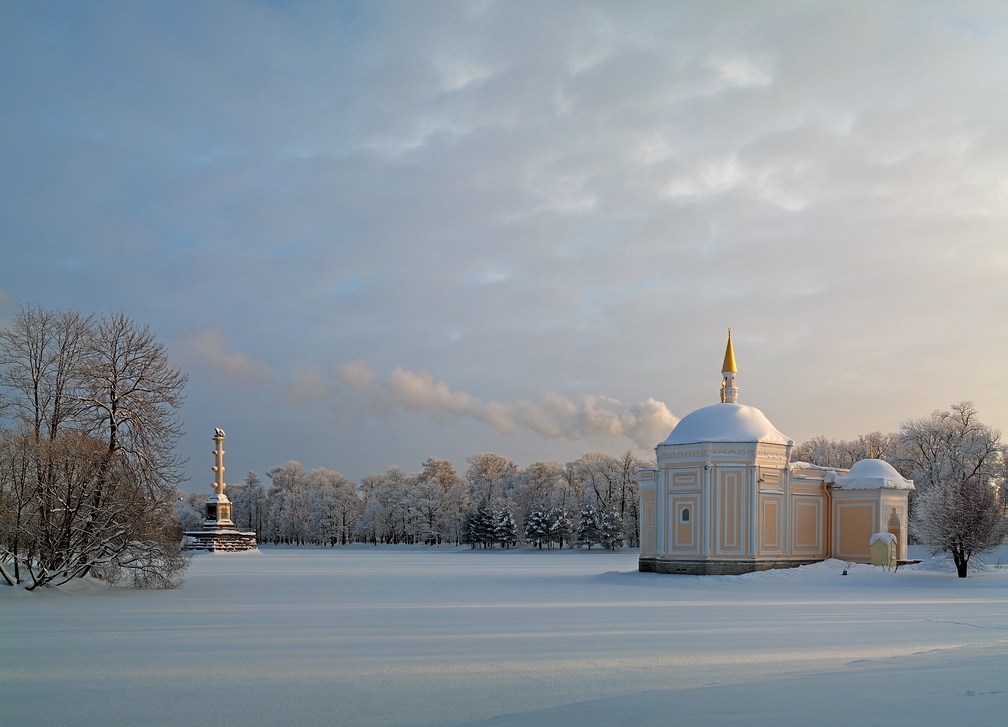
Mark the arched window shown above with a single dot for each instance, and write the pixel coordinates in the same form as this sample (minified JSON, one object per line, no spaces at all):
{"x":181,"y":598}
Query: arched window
{"x":684,"y":515}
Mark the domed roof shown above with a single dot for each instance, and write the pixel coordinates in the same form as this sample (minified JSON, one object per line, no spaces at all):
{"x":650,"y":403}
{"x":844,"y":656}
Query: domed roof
{"x":725,"y":423}
{"x":873,"y":474}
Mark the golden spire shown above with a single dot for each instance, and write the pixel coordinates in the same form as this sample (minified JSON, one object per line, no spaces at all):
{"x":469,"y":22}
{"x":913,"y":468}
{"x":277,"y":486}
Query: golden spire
{"x":728,"y":367}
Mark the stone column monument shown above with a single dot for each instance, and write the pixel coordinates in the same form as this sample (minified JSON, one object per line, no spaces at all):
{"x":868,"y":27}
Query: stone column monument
{"x":219,"y":532}
{"x":218,"y":507}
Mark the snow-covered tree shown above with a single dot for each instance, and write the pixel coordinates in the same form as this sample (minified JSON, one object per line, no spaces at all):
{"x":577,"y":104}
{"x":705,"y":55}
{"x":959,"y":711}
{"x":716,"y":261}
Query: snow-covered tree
{"x":839,"y":453}
{"x":600,"y":475}
{"x":95,"y":403}
{"x":588,"y":532}
{"x":452,"y":504}
{"x":286,"y":477}
{"x":426,"y":502}
{"x":288,"y":519}
{"x":190,"y":512}
{"x":560,"y":525}
{"x":328,"y":496}
{"x":537,"y":527}
{"x":384,"y":515}
{"x":610,"y":532}
{"x":532,"y":487}
{"x":487,"y":474}
{"x":481,"y":526}
{"x":961,"y":517}
{"x":505,"y":527}
{"x":627,"y":504}
{"x":948,"y":446}
{"x":249,"y":505}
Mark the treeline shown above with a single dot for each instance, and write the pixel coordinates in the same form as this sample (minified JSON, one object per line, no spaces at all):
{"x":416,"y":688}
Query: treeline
{"x":591,"y":501}
{"x":948,"y":445}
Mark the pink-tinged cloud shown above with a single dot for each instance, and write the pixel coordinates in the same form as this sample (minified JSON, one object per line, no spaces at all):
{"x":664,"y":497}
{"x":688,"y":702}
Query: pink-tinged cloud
{"x":355,"y":374}
{"x":209,"y":346}
{"x":552,"y":415}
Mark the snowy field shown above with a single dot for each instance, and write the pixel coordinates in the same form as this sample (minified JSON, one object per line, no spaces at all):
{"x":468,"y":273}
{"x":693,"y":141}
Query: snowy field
{"x":419,"y":636}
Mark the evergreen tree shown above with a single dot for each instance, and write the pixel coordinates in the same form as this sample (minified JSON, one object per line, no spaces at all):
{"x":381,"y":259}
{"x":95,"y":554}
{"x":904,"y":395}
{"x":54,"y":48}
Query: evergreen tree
{"x":482,"y":526}
{"x":559,"y":526}
{"x":588,"y":531}
{"x":505,"y":528}
{"x":611,"y":530}
{"x":536,"y":527}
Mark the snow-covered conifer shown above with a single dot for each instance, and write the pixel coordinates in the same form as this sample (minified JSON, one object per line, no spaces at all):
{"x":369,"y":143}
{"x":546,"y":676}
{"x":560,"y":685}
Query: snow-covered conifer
{"x":536,"y":527}
{"x":588,"y":532}
{"x":560,"y":525}
{"x":611,"y":530}
{"x":505,"y":528}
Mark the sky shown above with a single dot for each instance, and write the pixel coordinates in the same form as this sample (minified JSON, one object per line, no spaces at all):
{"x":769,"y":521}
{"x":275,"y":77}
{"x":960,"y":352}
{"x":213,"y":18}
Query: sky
{"x":375,"y":232}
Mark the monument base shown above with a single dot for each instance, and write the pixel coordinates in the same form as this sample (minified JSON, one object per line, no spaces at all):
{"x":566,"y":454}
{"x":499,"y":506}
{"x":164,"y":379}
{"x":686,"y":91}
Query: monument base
{"x":219,"y":538}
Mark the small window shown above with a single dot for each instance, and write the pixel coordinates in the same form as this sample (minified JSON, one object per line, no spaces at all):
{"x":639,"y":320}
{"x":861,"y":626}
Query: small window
{"x":684,"y":515}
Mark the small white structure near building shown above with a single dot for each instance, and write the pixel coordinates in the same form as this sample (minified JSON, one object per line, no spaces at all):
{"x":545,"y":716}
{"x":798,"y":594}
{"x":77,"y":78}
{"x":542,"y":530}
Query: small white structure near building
{"x":883,"y":549}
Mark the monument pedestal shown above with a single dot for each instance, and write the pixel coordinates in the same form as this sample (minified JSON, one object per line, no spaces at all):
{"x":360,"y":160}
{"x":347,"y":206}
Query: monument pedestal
{"x":221,"y":540}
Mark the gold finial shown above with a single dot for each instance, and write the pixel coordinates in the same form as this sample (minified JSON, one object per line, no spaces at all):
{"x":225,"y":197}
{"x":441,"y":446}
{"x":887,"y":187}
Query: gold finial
{"x":728,"y":367}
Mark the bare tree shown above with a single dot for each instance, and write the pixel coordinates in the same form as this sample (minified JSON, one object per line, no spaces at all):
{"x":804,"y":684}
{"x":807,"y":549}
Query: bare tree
{"x":17,"y":488}
{"x":600,"y":473}
{"x":91,"y":472}
{"x":42,"y":358}
{"x":629,"y":496}
{"x":131,"y":396}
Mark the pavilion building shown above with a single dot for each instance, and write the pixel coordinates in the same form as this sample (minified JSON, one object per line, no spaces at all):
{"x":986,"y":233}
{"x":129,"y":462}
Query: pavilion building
{"x":725,"y":497}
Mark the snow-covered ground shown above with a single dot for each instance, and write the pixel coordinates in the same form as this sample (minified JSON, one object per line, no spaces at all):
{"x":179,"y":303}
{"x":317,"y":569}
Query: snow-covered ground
{"x":420,"y":636}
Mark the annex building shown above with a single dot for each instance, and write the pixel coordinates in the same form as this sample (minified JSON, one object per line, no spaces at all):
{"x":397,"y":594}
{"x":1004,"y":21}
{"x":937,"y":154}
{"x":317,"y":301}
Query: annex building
{"x":725,"y":497}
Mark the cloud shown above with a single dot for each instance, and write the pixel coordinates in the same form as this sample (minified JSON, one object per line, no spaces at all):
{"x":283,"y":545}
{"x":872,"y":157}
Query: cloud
{"x":356,"y":374}
{"x":739,"y":72}
{"x":420,"y":392}
{"x":652,"y":422}
{"x":551,"y":416}
{"x":305,"y":387}
{"x":209,"y":346}
{"x":566,"y":198}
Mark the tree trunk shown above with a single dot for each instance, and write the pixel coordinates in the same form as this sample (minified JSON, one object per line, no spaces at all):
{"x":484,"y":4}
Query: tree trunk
{"x":961,"y":562}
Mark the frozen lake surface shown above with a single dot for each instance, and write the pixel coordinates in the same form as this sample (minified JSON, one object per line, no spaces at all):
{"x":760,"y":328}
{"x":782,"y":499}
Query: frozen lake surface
{"x":448,"y":636}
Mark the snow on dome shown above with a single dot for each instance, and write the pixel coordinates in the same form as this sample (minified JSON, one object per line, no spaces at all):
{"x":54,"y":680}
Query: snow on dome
{"x":725,"y":423}
{"x":873,"y":474}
